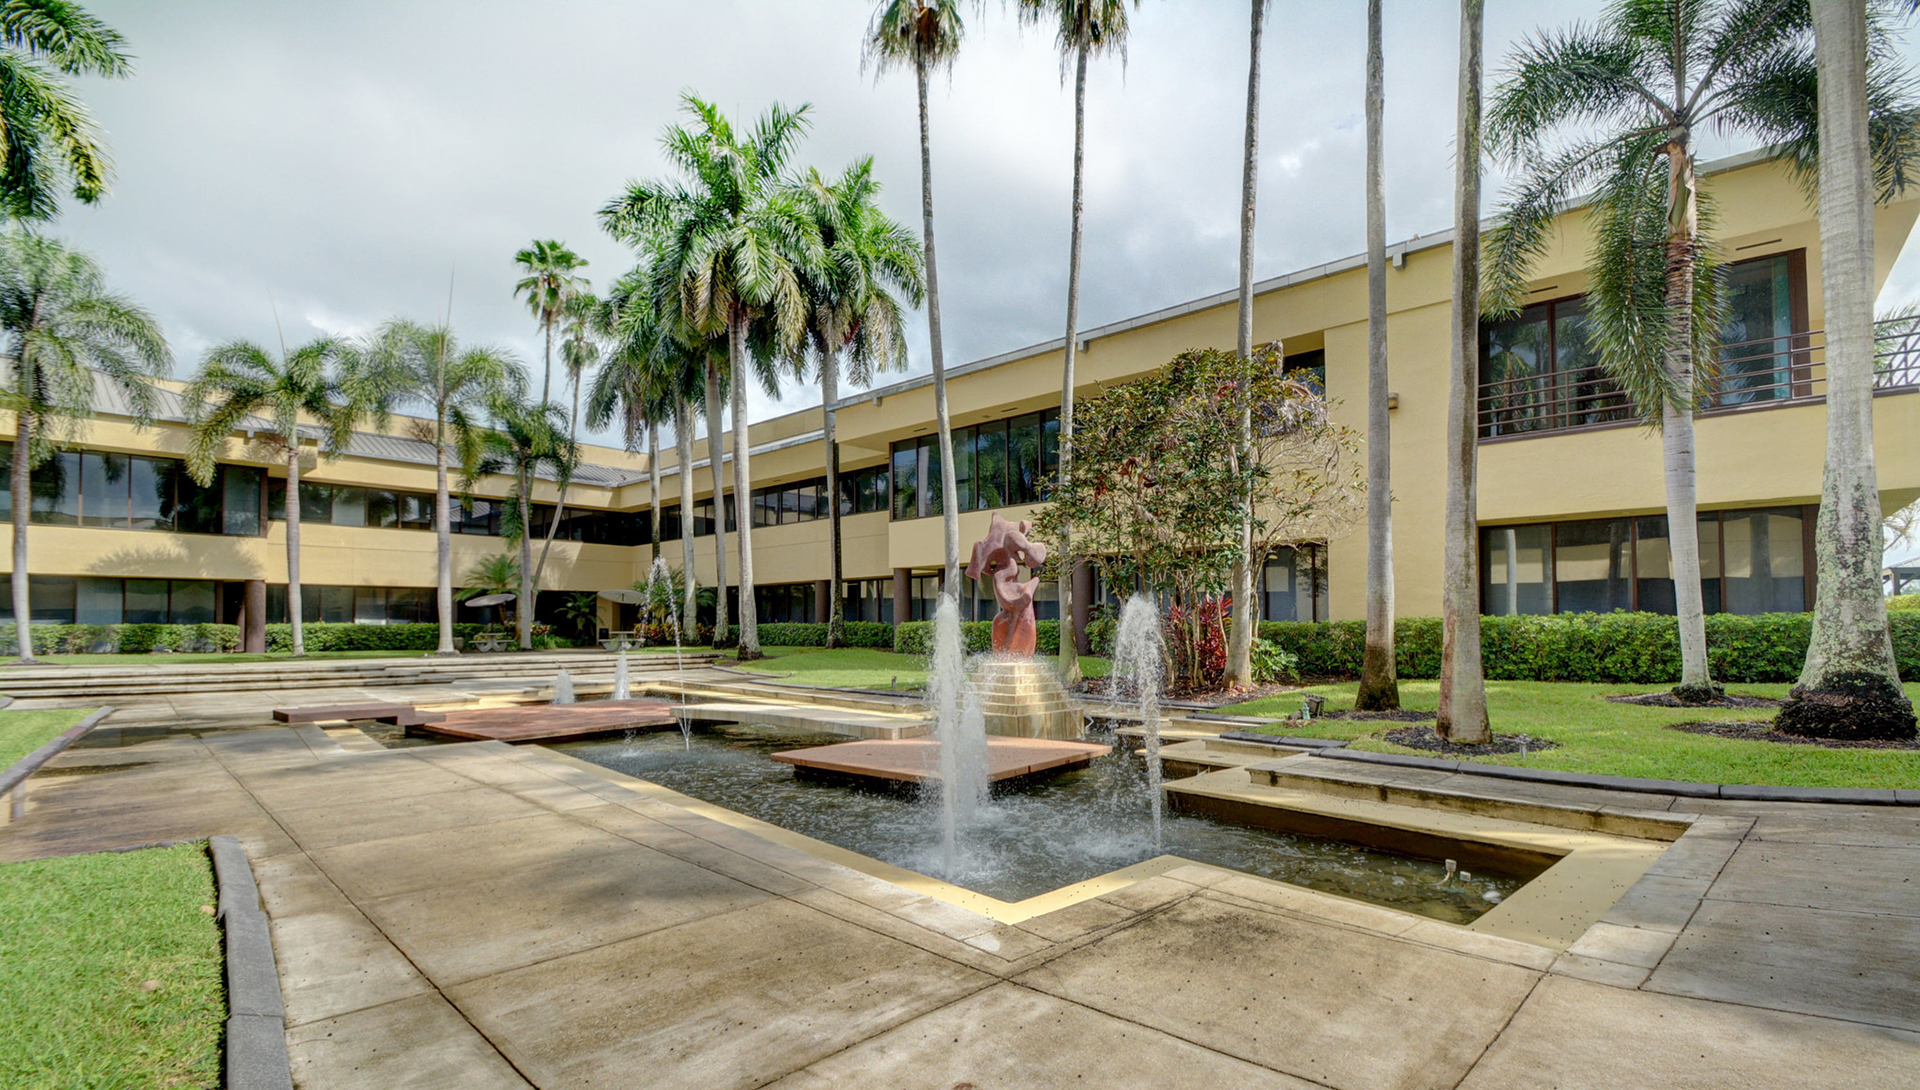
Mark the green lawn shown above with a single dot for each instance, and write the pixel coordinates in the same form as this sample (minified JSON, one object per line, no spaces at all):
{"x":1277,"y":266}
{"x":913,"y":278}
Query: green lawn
{"x":22,"y":732}
{"x":860,"y":667}
{"x":1602,"y":737}
{"x":110,"y":971}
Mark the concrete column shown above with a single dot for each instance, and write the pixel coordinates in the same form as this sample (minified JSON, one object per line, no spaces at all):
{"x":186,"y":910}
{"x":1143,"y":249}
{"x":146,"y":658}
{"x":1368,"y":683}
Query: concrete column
{"x":253,"y":618}
{"x":1082,"y":604}
{"x":822,"y":600}
{"x":902,"y":595}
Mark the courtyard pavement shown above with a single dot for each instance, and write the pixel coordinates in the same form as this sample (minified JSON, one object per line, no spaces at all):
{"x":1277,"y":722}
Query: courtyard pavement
{"x":473,"y":916}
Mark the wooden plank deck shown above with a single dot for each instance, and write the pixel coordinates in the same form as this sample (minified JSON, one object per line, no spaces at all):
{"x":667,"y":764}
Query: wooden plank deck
{"x":400,"y":715}
{"x":917,"y":760}
{"x":553,"y":722}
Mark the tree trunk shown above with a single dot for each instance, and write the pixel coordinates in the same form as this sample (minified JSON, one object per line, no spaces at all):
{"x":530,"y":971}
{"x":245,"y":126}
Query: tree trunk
{"x":1246,"y":614}
{"x":546,"y":384}
{"x":22,"y":500}
{"x":653,"y":487}
{"x":829,"y":393}
{"x":949,"y":509}
{"x":1850,"y":686}
{"x":523,"y":608}
{"x":295,"y":607}
{"x":1379,"y":683}
{"x":715,"y":416}
{"x":443,"y":547}
{"x":689,"y":588}
{"x":1463,"y":687}
{"x":742,"y":491}
{"x":1069,"y":636}
{"x":1676,"y":423}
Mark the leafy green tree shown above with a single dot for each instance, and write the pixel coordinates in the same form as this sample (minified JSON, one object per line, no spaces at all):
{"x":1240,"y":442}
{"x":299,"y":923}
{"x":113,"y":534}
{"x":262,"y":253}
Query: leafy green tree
{"x":1083,"y":29}
{"x":854,"y":321}
{"x":412,"y":365}
{"x":732,"y":241}
{"x":525,"y":443}
{"x":1612,"y":109}
{"x":299,"y":394}
{"x":925,"y":35}
{"x":48,"y":140}
{"x":550,"y":284}
{"x":497,"y":574}
{"x":64,"y":333}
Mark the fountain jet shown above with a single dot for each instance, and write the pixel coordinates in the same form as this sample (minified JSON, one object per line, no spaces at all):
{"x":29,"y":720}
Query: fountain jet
{"x":1139,"y":669}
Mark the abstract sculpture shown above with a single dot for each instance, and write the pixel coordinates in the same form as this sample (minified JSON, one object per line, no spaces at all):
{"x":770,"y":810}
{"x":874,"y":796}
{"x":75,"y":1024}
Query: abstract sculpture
{"x":1000,"y":555}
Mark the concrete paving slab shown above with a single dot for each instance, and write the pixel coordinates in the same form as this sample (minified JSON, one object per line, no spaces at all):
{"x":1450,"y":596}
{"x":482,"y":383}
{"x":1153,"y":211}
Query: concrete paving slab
{"x":379,"y":818}
{"x":1625,"y":945}
{"x":717,"y":858}
{"x":1076,"y":921}
{"x":1314,"y":1000}
{"x":726,"y":1001}
{"x":1695,"y":857}
{"x":333,"y":961}
{"x":1614,"y":974}
{"x":1877,"y":827}
{"x":1012,"y":1038}
{"x":1576,"y":1035}
{"x":1010,"y":942}
{"x":1852,"y":878}
{"x":401,"y":864}
{"x":1837,"y":964}
{"x":1658,"y":902}
{"x":453,"y":932}
{"x":420,"y":1043}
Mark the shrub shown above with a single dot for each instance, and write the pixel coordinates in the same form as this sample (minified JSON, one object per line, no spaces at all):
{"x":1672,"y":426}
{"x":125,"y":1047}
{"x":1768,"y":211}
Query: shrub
{"x":916,"y":637}
{"x":128,"y":639}
{"x":1636,"y":648}
{"x":1903,"y":601}
{"x":1272,"y":662}
{"x":321,"y":636}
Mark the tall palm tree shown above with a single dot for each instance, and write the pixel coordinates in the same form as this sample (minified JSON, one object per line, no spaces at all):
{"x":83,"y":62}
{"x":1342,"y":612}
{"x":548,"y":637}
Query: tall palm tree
{"x":1850,"y":685}
{"x":579,"y":353}
{"x":49,"y":138}
{"x":549,"y":284}
{"x":408,"y":364}
{"x":239,"y":383}
{"x":1246,"y":616}
{"x":924,"y":35}
{"x":1379,"y":685}
{"x":733,"y":242}
{"x":63,"y":331}
{"x":1612,"y":108}
{"x":854,"y":320}
{"x":1463,"y":687}
{"x":1083,"y":29}
{"x":525,"y":442}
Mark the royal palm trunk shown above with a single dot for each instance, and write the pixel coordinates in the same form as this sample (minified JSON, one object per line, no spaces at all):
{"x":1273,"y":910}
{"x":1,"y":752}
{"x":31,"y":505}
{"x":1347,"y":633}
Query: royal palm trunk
{"x":1379,"y":682}
{"x":949,"y":509}
{"x":1676,"y":420}
{"x":683,"y":447}
{"x":1069,"y":634}
{"x":715,"y":416}
{"x":742,"y":490}
{"x":443,"y":542}
{"x":295,"y":607}
{"x":1245,"y":612}
{"x":22,"y":501}
{"x":829,"y":393}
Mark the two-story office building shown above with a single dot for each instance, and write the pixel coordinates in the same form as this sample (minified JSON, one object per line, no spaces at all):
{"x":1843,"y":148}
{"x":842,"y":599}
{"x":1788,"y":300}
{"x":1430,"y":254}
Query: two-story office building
{"x":1572,"y":506}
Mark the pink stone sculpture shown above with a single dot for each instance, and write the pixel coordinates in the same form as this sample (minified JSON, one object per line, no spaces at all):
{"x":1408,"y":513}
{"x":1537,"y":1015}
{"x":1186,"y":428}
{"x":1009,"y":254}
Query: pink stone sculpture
{"x":1000,"y":555}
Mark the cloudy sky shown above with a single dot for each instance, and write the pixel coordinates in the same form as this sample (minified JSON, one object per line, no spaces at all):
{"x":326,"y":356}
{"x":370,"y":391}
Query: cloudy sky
{"x":341,"y":162}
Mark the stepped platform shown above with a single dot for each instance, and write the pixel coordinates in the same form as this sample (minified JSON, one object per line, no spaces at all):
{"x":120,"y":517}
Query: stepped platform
{"x":1022,"y":697}
{"x":400,"y":715}
{"x":917,"y":760}
{"x":814,"y":717}
{"x":552,"y":722}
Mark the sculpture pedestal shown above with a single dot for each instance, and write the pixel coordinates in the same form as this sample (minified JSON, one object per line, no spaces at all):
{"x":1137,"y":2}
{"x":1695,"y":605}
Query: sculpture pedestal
{"x":1022,"y":697}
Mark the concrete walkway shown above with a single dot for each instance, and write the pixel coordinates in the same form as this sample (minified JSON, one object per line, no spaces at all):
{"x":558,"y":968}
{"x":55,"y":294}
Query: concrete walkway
{"x":474,"y":916}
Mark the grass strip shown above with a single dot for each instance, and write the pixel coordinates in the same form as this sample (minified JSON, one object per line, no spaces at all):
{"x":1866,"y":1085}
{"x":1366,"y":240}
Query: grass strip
{"x":22,"y":732}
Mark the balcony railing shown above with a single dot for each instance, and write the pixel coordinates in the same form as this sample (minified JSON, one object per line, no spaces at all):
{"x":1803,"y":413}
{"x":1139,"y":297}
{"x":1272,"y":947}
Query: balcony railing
{"x":1767,"y":373}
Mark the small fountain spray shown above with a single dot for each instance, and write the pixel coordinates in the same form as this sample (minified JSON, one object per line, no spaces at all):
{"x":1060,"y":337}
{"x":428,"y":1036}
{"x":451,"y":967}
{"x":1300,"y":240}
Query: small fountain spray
{"x":959,"y":728}
{"x":1139,"y":667}
{"x":620,"y":681}
{"x":563,"y":687}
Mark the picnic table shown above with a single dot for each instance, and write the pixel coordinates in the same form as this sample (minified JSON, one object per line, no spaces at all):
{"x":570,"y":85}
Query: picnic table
{"x":490,"y":641}
{"x":621,"y":641}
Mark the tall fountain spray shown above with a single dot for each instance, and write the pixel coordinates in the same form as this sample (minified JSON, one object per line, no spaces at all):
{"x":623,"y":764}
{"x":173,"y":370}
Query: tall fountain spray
{"x":620,"y":680}
{"x":959,"y":728}
{"x":1139,"y":670}
{"x":563,"y":687}
{"x":662,"y":575}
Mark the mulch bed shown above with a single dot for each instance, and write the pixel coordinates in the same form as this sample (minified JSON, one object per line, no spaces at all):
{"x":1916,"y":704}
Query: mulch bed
{"x":1764,"y":732}
{"x":1668,"y":700}
{"x":1217,"y":698}
{"x":1425,"y":738}
{"x":1398,"y":715}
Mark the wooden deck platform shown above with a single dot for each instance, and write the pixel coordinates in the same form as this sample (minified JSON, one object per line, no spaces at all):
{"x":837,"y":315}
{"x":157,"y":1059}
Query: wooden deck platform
{"x":917,"y":760}
{"x":400,"y":715}
{"x":553,"y":722}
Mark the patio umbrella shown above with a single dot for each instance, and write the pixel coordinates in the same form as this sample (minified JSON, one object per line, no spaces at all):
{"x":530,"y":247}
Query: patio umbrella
{"x":625,"y":596}
{"x":490,"y":600}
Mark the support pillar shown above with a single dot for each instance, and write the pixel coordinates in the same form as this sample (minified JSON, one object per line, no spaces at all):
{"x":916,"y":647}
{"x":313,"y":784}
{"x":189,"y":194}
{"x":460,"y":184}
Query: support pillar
{"x":253,"y":618}
{"x":822,"y":601}
{"x":1082,"y":605}
{"x":902,"y":595}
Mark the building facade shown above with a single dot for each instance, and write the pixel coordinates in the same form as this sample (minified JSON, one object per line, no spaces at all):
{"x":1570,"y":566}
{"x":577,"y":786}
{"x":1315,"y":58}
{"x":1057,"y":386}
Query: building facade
{"x":1572,"y":505}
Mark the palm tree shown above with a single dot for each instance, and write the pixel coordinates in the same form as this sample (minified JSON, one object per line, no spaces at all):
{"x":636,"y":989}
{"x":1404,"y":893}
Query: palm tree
{"x":733,"y":242}
{"x":925,"y":35}
{"x":1463,"y":687}
{"x":1246,"y":616}
{"x":1082,"y":29}
{"x":242,"y":384}
{"x":1850,"y":685}
{"x":1379,"y":685}
{"x":549,"y":284}
{"x":49,"y":138}
{"x":578,"y":354}
{"x":497,"y":574}
{"x":1613,"y":108}
{"x":409,"y":363}
{"x":61,"y":326}
{"x":524,"y":442}
{"x":854,"y":319}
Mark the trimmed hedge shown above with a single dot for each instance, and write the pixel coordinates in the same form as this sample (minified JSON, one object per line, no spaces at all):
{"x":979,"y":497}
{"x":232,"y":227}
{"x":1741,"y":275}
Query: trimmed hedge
{"x":1636,"y":648}
{"x":916,"y":637}
{"x":1903,"y":601}
{"x":320,"y":636}
{"x":125,"y":639}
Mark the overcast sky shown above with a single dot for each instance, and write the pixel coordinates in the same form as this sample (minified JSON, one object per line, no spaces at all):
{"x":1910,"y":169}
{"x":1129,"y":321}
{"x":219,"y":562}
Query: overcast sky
{"x":342,"y":160}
